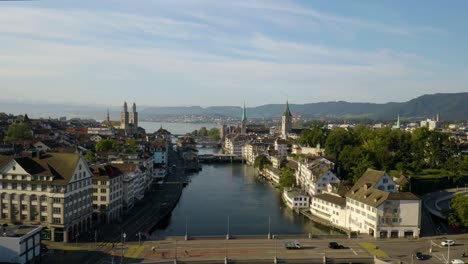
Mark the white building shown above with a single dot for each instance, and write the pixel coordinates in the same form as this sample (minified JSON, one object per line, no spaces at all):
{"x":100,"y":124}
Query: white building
{"x":234,"y":144}
{"x":20,"y":244}
{"x":330,"y":205}
{"x":314,"y":174}
{"x":374,"y":207}
{"x":281,"y":147}
{"x":51,"y":189}
{"x":254,"y":149}
{"x":295,"y":199}
{"x":430,"y":124}
{"x":107,"y":193}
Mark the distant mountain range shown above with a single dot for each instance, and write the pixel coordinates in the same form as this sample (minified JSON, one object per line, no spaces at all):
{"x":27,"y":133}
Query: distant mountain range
{"x":453,"y":106}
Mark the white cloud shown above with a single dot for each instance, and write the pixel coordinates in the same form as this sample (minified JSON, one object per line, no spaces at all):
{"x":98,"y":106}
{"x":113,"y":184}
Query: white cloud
{"x":77,"y":54}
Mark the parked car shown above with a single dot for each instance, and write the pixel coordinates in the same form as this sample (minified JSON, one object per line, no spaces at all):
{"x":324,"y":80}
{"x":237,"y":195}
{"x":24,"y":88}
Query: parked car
{"x":457,"y":261}
{"x":420,"y":256}
{"x":447,"y":242}
{"x":335,"y":245}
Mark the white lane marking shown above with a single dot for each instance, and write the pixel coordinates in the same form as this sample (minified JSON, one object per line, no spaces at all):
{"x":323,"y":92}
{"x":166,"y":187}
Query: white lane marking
{"x":353,"y":251}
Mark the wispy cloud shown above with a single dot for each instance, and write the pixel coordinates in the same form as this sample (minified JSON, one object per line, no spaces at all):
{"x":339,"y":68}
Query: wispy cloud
{"x":197,"y":52}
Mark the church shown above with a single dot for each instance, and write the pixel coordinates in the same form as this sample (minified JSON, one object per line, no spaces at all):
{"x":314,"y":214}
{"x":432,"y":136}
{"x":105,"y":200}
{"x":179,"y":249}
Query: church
{"x":129,"y":121}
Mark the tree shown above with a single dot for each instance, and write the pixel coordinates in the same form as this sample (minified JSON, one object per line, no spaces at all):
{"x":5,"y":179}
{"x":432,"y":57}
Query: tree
{"x":18,"y":132}
{"x":313,"y":135}
{"x":90,"y":157}
{"x":203,"y":132}
{"x":459,"y":212}
{"x":337,"y":139}
{"x":104,"y":145}
{"x":131,"y":145}
{"x":214,"y":134}
{"x":287,"y":178}
{"x":261,"y":161}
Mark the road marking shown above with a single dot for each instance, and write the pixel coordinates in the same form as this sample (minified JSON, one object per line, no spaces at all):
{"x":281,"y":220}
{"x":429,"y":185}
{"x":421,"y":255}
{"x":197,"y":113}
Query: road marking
{"x":353,"y":251}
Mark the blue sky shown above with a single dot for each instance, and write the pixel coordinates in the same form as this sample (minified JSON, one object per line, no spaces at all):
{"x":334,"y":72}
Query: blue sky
{"x":211,"y":52}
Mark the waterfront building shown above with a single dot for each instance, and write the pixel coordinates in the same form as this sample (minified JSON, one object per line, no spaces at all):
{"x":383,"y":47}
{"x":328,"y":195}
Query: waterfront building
{"x":254,"y":149}
{"x":159,"y":148}
{"x":376,"y":208}
{"x":234,"y":144}
{"x":330,"y":205}
{"x":50,"y":189}
{"x":286,"y":121}
{"x":313,"y":175}
{"x":20,"y":244}
{"x":107,"y":193}
{"x":295,"y":199}
{"x":133,"y":184}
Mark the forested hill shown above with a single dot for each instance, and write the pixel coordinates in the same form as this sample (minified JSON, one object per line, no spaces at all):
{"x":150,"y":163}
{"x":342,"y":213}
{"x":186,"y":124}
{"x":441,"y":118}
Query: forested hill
{"x":449,"y":106}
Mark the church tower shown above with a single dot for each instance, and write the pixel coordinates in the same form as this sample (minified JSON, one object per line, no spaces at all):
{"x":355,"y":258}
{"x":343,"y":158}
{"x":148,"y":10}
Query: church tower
{"x":124,"y":117}
{"x":134,"y":118}
{"x":286,"y":121}
{"x":244,"y":122}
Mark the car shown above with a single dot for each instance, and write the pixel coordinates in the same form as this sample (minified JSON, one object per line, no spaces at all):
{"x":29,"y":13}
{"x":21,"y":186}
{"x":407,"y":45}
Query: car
{"x":457,"y":261}
{"x":420,"y":256}
{"x":447,"y":242}
{"x":335,"y":245}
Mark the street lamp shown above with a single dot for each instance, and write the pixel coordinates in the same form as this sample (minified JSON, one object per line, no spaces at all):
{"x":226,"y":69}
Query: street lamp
{"x":186,"y":228}
{"x":124,"y":235}
{"x":139,"y":238}
{"x":227,"y":234}
{"x":269,"y":227}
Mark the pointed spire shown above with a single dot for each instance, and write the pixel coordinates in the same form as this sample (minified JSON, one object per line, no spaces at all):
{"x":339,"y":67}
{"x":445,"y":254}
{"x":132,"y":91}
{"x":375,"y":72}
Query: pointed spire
{"x":437,"y":117}
{"x":398,"y":121}
{"x":134,"y":107}
{"x":286,"y":110}
{"x":125,"y":108}
{"x":108,"y":117}
{"x":244,"y":116}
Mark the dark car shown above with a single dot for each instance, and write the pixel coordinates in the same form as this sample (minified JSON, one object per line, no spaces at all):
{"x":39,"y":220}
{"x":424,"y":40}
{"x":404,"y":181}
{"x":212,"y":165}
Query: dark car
{"x":420,"y":256}
{"x":335,"y":245}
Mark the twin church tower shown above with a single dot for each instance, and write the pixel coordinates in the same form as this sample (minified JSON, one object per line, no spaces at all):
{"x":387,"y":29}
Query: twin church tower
{"x":129,"y":121}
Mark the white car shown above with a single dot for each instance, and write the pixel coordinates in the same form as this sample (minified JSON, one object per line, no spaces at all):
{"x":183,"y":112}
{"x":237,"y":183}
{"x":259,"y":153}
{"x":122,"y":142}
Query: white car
{"x":457,"y":261}
{"x":447,"y":243}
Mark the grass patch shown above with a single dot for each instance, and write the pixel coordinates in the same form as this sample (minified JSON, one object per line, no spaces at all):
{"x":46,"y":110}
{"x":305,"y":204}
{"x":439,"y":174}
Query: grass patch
{"x":373,"y":251}
{"x":71,"y":248}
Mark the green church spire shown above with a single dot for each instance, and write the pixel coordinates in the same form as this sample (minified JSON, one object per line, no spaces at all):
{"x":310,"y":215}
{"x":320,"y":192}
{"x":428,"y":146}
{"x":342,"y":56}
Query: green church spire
{"x":244,"y":116}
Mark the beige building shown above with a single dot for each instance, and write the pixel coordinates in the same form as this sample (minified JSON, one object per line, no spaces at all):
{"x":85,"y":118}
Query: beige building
{"x":51,"y":189}
{"x":107,"y":193}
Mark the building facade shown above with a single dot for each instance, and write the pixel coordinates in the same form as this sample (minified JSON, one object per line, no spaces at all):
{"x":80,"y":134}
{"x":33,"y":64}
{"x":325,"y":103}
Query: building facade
{"x":50,"y":189}
{"x":107,"y":193}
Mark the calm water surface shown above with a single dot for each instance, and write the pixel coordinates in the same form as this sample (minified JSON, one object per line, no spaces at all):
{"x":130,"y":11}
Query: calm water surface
{"x":220,"y":191}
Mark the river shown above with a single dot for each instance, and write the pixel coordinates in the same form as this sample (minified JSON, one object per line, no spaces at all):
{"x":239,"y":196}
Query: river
{"x":230,"y":191}
{"x":175,"y":128}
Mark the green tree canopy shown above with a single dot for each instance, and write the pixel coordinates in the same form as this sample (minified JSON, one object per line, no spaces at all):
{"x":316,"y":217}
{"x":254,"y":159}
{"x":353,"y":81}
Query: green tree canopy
{"x":213,"y":133}
{"x":314,"y":135}
{"x":459,"y":213}
{"x":18,"y":132}
{"x":105,"y":145}
{"x":261,"y":161}
{"x":287,"y":178}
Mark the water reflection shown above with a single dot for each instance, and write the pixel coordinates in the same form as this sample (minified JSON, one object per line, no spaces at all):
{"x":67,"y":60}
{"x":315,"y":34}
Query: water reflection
{"x":222,"y":190}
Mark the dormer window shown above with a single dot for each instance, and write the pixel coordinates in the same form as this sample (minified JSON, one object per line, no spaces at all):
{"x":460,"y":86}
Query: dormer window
{"x":385,"y":180}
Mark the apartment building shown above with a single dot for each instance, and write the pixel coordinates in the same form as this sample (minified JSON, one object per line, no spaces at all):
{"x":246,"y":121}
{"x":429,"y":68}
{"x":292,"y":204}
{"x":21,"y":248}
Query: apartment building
{"x":50,"y":189}
{"x":107,"y":193}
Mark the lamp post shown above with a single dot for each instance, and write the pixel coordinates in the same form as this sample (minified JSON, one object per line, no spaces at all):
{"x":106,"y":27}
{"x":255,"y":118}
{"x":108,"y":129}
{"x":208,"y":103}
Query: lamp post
{"x":95,"y":235}
{"x":269,"y":227}
{"x":227,"y":234}
{"x":124,"y":235}
{"x":448,"y":253}
{"x":186,"y":228}
{"x":139,"y":238}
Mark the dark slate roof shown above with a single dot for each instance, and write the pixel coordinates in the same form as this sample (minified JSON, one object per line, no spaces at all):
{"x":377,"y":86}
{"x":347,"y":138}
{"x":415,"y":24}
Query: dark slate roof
{"x":332,"y":199}
{"x":106,"y":170}
{"x":402,"y":196}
